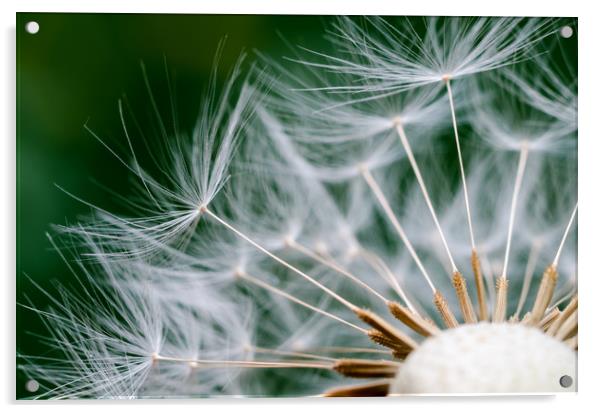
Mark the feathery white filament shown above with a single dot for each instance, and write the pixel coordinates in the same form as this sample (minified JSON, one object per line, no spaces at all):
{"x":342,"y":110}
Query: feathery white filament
{"x":342,"y":349}
{"x":332,"y":264}
{"x":566,"y":232}
{"x":245,"y":364}
{"x":528,"y":276}
{"x":489,"y":282}
{"x":381,"y":267}
{"x":382,"y":200}
{"x":133,"y":152}
{"x":427,"y":198}
{"x":395,"y":59}
{"x":291,"y":354}
{"x":294,"y":299}
{"x":280,"y":260}
{"x":459,"y":150}
{"x":520,"y":172}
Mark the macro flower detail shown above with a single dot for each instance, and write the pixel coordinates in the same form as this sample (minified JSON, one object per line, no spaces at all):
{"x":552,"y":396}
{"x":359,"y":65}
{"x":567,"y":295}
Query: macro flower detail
{"x":395,"y":218}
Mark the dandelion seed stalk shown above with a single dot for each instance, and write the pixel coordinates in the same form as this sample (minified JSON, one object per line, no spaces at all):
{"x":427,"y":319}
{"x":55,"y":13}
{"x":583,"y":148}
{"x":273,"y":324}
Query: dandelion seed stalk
{"x":384,"y":203}
{"x":408,"y":149}
{"x":447,"y":81}
{"x":294,"y":299}
{"x":333,"y":265}
{"x":328,"y":291}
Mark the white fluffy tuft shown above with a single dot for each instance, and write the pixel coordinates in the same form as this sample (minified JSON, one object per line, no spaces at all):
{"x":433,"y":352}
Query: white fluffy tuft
{"x":487,"y":358}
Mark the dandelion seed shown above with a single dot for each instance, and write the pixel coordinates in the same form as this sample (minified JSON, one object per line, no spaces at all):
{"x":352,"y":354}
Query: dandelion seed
{"x":393,"y":58}
{"x":195,"y":170}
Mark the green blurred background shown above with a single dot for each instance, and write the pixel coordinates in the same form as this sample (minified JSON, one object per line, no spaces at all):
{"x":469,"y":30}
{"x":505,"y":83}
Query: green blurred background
{"x":73,"y":71}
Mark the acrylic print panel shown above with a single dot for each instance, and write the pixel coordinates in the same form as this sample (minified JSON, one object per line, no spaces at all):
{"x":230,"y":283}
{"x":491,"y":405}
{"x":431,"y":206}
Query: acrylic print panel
{"x":229,"y":205}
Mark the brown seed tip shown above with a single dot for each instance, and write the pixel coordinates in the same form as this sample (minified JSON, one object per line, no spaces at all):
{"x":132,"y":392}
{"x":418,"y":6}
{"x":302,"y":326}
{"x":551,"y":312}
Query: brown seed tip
{"x":443,"y":308}
{"x":499,"y":314}
{"x":568,"y":310}
{"x":378,"y":388}
{"x":360,"y":368}
{"x":392,"y":334}
{"x":549,"y":319}
{"x":478,"y":277}
{"x":459,"y":283}
{"x":568,"y":328}
{"x":382,"y":339}
{"x":415,"y":321}
{"x":544,"y":294}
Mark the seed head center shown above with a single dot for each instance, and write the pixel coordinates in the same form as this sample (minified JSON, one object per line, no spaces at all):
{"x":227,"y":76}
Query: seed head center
{"x":487,"y":358}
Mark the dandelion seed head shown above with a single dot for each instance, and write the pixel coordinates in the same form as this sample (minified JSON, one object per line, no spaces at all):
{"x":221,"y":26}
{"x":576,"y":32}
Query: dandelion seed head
{"x":500,"y":365}
{"x":259,"y":236}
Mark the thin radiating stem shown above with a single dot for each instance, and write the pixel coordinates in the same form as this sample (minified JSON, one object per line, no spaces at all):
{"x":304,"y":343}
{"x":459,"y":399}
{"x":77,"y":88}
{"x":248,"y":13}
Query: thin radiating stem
{"x":340,"y":349}
{"x":296,"y":300}
{"x":489,"y":281}
{"x":529,"y":271}
{"x":566,"y":233}
{"x":459,"y":150}
{"x":501,"y":300}
{"x":279,"y":260}
{"x":564,"y":293}
{"x":549,"y":280}
{"x":520,"y":173}
{"x":384,"y":203}
{"x":275,"y":352}
{"x":333,"y":265}
{"x":381,"y":267}
{"x":246,"y":364}
{"x":427,"y":198}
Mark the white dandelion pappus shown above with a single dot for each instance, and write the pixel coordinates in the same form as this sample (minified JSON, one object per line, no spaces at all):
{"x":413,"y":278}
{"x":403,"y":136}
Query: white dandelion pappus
{"x":193,"y":168}
{"x":311,"y":112}
{"x":292,"y":212}
{"x":125,"y":342}
{"x":393,"y":58}
{"x":337,"y":162}
{"x":523,"y":130}
{"x":542,"y":224}
{"x":362,"y":166}
{"x":551,"y":90}
{"x":398,"y":124}
{"x":518,"y":125}
{"x":335,"y":232}
{"x":400,"y":59}
{"x":105,"y":356}
{"x":337,"y":229}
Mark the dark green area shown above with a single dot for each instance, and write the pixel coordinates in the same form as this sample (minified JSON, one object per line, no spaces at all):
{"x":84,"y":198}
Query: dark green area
{"x":73,"y":71}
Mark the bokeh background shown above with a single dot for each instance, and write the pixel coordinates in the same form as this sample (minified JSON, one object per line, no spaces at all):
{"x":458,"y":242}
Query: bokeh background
{"x":72,"y":73}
